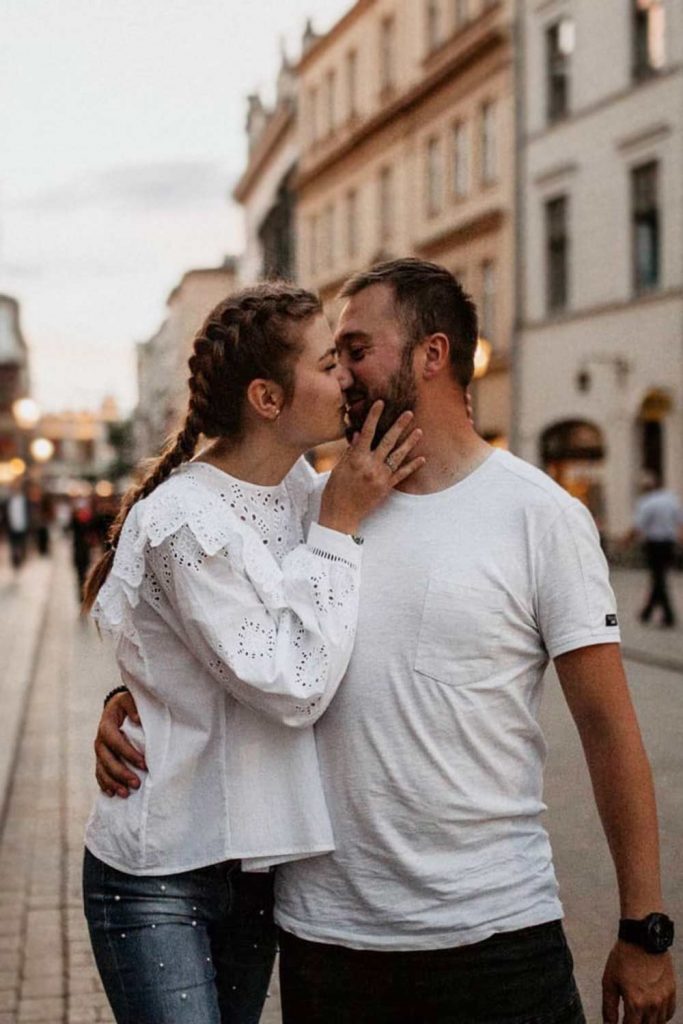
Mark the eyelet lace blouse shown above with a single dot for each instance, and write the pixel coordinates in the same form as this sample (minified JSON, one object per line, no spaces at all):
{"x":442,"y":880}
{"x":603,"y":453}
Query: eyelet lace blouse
{"x":233,"y":617}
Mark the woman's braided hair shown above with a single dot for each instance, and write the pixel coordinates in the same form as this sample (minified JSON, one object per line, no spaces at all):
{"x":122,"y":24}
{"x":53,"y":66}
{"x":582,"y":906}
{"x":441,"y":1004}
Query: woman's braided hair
{"x":247,"y":336}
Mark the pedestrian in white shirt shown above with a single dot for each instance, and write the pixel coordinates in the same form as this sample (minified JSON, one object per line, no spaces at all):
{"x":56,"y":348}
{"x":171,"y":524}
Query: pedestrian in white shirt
{"x":233,"y":617}
{"x":18,"y":522}
{"x":658,"y":524}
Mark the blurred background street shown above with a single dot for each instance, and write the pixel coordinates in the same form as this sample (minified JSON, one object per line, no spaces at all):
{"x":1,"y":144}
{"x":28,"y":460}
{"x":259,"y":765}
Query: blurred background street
{"x":534,"y":149}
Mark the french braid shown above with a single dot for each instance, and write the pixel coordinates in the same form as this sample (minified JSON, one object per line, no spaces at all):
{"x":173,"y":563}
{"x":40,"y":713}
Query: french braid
{"x":248,"y":335}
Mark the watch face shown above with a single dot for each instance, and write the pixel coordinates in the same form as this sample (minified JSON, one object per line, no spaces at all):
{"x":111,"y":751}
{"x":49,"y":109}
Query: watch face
{"x":660,"y":932}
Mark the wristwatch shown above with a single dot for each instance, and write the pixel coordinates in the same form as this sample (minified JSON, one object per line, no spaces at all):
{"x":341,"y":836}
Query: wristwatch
{"x":654,"y":934}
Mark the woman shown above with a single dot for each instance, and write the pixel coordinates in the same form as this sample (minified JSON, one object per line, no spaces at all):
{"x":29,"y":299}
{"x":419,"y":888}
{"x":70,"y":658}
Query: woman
{"x":233,"y":610}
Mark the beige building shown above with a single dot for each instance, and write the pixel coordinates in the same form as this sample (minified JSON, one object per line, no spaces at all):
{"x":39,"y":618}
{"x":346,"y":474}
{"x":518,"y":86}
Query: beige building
{"x":162,"y":360}
{"x":80,"y":439}
{"x":600,"y":364}
{"x":406,"y":138}
{"x":14,"y":377}
{"x":265,"y":188}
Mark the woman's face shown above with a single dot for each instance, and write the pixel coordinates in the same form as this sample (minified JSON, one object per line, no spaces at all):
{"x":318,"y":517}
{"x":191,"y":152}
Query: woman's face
{"x":316,"y":412}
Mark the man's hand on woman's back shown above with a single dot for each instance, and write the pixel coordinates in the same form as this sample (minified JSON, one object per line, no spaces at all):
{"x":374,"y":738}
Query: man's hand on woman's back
{"x":113,"y":750}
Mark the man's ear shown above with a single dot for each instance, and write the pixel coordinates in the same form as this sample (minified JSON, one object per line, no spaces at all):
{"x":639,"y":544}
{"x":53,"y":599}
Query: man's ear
{"x":436,"y":355}
{"x":266,"y":398}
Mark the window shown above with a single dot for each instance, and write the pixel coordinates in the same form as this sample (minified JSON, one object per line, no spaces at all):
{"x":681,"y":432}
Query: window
{"x":331,"y":89}
{"x":461,"y":162}
{"x":488,"y":301}
{"x":646,"y":241}
{"x":328,"y":238}
{"x":557,"y":253}
{"x":433,"y":25}
{"x":648,"y":37}
{"x":313,"y":114}
{"x":559,"y":46}
{"x":386,"y":204}
{"x":433,"y":178}
{"x":352,"y":223}
{"x":461,"y":12}
{"x":352,"y":82}
{"x":387,"y":70}
{"x":489,"y":157}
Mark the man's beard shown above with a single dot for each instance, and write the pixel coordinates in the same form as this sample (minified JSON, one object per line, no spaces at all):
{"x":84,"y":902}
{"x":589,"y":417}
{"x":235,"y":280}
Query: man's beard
{"x":398,"y":394}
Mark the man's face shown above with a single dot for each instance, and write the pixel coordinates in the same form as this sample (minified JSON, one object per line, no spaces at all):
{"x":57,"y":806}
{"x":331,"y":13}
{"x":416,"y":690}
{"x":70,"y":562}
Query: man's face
{"x":372,"y":346}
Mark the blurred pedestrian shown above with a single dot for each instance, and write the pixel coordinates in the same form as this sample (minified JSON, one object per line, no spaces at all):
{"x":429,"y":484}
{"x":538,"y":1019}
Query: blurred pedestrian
{"x":658,"y":523}
{"x":82,"y":531}
{"x":18,"y":521}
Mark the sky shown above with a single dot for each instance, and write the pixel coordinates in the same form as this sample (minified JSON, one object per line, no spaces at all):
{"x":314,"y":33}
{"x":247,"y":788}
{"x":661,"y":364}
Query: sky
{"x":122,"y":134}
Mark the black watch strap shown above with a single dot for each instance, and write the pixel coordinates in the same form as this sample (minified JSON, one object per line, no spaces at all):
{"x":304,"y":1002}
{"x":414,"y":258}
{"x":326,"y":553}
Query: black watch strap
{"x":654,"y":933}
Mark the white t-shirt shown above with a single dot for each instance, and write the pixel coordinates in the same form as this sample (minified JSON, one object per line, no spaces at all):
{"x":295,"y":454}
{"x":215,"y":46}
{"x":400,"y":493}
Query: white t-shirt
{"x":431,"y":753}
{"x":659,"y":515}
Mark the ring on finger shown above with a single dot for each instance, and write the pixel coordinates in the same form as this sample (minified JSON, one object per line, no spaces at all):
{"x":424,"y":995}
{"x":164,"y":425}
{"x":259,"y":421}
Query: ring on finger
{"x":390,"y":464}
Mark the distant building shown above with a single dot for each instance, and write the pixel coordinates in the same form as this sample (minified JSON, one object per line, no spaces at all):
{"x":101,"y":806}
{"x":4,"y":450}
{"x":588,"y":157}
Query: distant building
{"x":162,"y":360}
{"x":265,"y":190}
{"x":600,"y":347}
{"x":406,"y":137}
{"x":14,"y":376}
{"x":81,"y":445}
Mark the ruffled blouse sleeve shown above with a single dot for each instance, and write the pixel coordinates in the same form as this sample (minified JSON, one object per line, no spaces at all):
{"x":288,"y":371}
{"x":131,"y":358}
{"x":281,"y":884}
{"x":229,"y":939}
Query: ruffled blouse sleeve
{"x":278,"y":637}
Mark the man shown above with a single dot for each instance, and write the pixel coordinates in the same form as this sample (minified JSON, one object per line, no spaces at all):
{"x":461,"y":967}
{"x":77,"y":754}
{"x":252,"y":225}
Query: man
{"x":440,"y":903}
{"x":18,"y":522}
{"x":658,"y":522}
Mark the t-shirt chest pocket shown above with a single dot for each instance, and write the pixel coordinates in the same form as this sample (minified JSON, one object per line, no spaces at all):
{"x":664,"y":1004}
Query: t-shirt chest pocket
{"x":459,"y":633}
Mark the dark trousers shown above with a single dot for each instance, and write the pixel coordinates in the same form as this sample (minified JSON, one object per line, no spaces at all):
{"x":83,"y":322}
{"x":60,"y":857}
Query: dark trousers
{"x":660,"y":556}
{"x":18,"y":540}
{"x":191,"y":948}
{"x":521,"y":977}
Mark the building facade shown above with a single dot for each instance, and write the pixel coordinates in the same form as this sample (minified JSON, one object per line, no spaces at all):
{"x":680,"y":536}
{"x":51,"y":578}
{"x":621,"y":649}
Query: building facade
{"x":406,"y":138}
{"x":599,"y":354}
{"x":14,"y":376}
{"x":265,"y":190}
{"x":82,"y":450}
{"x":162,"y":360}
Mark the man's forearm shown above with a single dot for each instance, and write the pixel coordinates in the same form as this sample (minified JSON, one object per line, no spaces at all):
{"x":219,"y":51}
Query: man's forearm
{"x":624,"y":794}
{"x":597,"y":693}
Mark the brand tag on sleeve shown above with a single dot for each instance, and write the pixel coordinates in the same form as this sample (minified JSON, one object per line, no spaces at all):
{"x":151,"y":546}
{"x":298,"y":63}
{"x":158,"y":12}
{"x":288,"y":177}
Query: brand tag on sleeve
{"x":611,"y":620}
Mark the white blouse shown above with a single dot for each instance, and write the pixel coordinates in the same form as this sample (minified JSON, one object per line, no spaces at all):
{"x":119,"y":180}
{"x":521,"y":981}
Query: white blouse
{"x":233,"y":632}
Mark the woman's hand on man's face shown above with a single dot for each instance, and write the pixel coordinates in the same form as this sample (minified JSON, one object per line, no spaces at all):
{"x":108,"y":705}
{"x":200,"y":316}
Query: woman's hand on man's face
{"x":112,"y":749}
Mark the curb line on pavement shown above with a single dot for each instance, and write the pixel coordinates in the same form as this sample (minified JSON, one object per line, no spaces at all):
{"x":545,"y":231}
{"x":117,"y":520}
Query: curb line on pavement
{"x":658,"y":661}
{"x":18,"y":706}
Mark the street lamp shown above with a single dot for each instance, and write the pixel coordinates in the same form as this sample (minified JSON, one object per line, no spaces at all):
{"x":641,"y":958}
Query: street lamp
{"x":482,"y":358}
{"x":26,"y":413}
{"x":42,"y":449}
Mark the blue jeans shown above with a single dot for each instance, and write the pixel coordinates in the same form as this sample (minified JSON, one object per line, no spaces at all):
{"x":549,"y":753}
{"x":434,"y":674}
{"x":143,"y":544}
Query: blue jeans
{"x":191,"y":948}
{"x":521,"y":977}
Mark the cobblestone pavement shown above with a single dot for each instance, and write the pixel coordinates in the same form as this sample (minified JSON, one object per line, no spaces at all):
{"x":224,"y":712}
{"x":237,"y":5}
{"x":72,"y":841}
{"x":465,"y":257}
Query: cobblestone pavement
{"x":50,"y":696}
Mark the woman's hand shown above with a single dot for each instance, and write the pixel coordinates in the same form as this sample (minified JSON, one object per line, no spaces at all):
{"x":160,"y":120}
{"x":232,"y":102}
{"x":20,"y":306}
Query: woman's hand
{"x":363,"y":478}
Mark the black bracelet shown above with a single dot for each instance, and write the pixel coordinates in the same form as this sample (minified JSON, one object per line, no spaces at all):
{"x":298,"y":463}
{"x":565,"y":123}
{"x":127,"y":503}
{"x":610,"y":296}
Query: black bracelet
{"x":112,"y":693}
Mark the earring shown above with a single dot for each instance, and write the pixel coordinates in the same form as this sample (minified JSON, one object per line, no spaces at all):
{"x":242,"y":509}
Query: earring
{"x":277,"y":413}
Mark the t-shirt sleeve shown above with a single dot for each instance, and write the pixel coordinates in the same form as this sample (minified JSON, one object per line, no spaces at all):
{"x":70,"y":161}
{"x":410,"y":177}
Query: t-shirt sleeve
{"x":575,"y":604}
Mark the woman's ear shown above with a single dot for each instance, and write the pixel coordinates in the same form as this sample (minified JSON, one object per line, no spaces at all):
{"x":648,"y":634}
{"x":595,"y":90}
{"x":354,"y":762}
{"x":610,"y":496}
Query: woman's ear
{"x":266,"y":398}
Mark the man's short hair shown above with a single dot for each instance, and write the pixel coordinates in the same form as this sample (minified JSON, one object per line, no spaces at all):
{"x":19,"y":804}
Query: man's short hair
{"x":429,"y":300}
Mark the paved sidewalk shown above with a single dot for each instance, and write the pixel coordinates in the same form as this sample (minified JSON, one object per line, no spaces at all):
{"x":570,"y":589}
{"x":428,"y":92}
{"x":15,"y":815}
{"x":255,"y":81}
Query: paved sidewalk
{"x":47,"y":973}
{"x":650,"y":644}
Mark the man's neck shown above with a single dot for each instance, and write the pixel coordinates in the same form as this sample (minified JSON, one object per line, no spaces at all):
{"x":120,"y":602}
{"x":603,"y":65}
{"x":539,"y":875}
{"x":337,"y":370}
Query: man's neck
{"x":452,"y":449}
